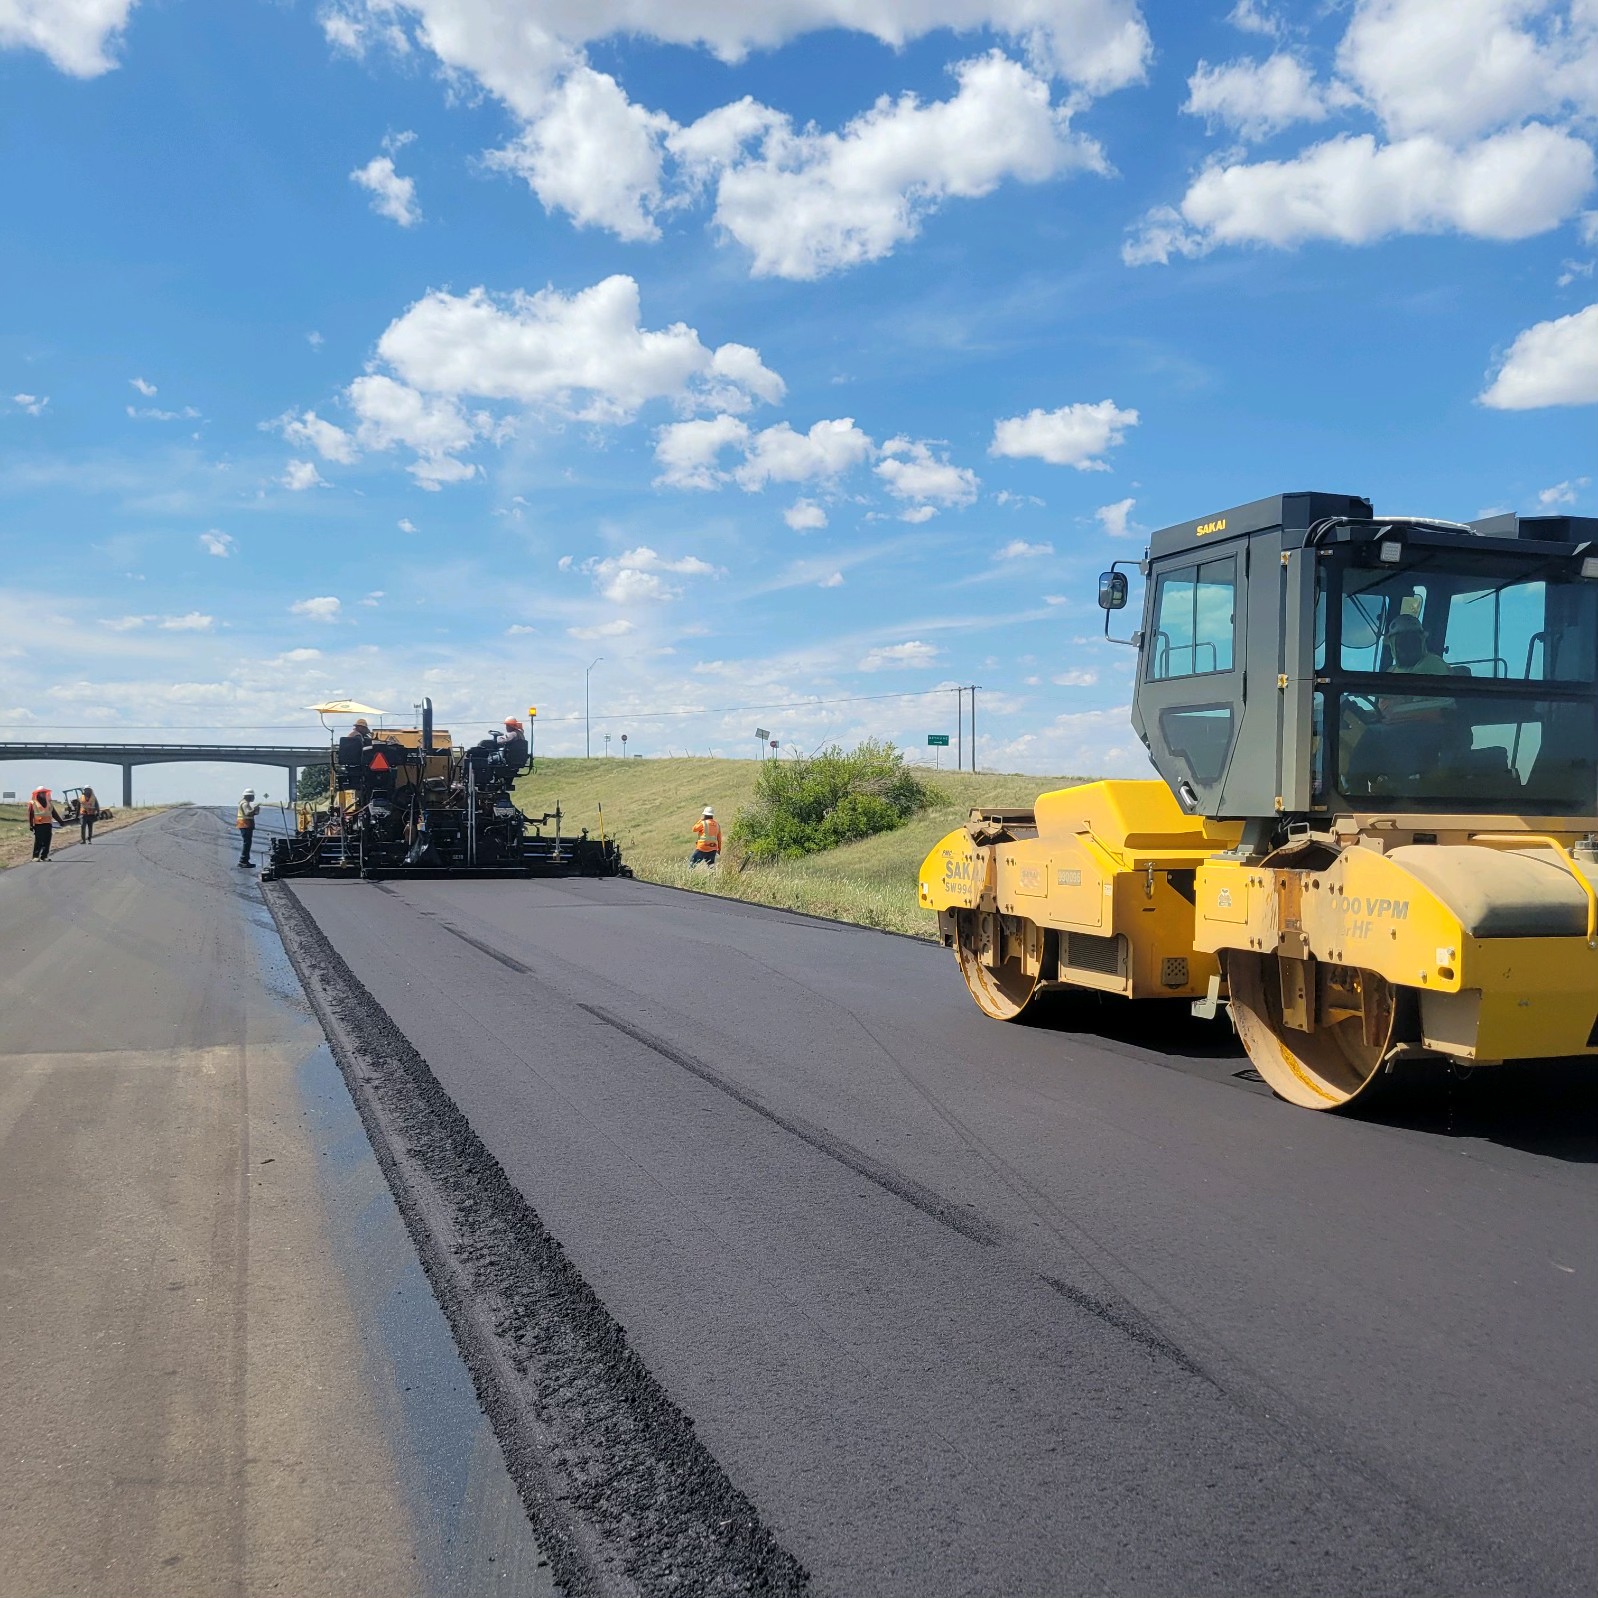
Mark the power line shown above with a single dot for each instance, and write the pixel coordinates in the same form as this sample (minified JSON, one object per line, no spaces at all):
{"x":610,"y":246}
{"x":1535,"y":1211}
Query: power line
{"x":619,"y":715}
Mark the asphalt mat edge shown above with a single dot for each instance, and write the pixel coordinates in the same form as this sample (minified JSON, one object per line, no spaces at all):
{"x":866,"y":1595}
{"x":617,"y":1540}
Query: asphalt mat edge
{"x":622,"y":1493}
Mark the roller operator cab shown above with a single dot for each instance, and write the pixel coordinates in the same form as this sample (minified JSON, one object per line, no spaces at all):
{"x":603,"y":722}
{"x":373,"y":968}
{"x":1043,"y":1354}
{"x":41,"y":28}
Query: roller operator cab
{"x":1383,"y":733}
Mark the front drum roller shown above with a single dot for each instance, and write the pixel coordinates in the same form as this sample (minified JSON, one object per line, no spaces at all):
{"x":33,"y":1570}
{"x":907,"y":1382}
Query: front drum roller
{"x":1335,"y":1063}
{"x":1002,"y":993}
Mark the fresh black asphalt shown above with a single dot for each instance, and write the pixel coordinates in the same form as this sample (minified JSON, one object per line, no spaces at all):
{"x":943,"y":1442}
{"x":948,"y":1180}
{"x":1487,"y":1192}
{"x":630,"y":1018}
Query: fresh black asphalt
{"x":967,"y":1308}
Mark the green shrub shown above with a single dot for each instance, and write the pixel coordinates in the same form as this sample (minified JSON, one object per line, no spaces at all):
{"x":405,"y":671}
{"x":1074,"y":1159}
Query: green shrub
{"x":801,"y":807}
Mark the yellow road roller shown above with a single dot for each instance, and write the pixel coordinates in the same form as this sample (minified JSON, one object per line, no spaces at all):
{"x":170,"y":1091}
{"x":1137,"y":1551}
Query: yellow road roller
{"x":1374,"y":832}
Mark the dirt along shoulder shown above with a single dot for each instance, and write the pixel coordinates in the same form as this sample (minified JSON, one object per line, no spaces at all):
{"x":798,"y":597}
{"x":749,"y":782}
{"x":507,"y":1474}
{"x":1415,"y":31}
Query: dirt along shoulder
{"x":16,"y":842}
{"x":651,"y":805}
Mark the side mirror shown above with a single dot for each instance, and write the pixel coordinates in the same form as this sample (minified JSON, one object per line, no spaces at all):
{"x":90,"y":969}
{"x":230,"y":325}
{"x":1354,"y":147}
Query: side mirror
{"x":1112,"y":590}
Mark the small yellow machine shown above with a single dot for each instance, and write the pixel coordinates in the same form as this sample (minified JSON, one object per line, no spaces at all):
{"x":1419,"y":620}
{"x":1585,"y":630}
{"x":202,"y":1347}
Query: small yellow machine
{"x":1094,"y":887}
{"x":1375,"y":830}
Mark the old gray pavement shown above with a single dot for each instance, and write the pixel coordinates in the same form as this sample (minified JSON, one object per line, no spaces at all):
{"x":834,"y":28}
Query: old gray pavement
{"x":967,"y":1308}
{"x":212,"y":1316}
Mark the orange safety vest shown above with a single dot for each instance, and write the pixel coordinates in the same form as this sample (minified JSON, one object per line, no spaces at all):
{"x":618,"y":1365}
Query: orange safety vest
{"x":88,"y":805}
{"x":38,"y":814}
{"x":709,"y":835}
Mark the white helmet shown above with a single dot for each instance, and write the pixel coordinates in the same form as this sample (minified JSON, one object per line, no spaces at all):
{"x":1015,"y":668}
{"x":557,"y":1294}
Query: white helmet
{"x":249,"y":793}
{"x":709,"y":811}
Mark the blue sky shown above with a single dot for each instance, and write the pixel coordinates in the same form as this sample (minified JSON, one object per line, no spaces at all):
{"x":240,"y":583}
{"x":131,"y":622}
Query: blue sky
{"x":783,"y":354}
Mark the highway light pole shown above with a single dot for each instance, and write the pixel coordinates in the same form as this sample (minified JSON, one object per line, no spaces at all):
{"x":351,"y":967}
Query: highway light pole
{"x":587,"y":729}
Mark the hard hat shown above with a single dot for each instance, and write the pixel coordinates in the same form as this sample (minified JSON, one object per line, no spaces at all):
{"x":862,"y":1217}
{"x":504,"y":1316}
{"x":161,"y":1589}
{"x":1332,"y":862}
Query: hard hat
{"x":1404,"y":623}
{"x":249,"y":793}
{"x":361,"y":721}
{"x":511,"y":721}
{"x":709,"y":811}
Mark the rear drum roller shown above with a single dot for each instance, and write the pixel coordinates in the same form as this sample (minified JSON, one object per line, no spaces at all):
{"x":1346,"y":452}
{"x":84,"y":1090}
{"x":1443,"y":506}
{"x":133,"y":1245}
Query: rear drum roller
{"x":1003,"y":993}
{"x":1324,"y":1069}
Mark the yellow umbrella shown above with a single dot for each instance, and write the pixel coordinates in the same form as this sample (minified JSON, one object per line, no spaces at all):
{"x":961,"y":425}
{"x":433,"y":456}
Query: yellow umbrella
{"x":345,"y":707}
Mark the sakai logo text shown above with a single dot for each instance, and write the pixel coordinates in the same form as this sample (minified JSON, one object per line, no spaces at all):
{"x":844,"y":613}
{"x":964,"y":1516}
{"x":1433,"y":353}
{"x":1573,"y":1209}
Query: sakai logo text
{"x":1216,"y":526}
{"x":961,"y":870}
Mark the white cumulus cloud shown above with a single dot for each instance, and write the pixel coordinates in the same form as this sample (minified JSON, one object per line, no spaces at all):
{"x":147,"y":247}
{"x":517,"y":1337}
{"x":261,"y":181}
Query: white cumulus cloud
{"x":584,"y":353}
{"x":323,"y":608}
{"x":1116,"y":519}
{"x":33,"y":404}
{"x":593,"y":153}
{"x":148,"y":390}
{"x":641,"y":574}
{"x":618,"y":628}
{"x":193,"y":622}
{"x":910,"y":471}
{"x":1551,"y":363}
{"x":393,"y":196}
{"x":310,"y":431}
{"x":689,"y":453}
{"x":807,"y":202}
{"x":1484,"y":111}
{"x":218,"y":544}
{"x":301,"y":475}
{"x":1562,"y":494}
{"x":781,"y":455}
{"x":1020,"y":549}
{"x":805,"y":516}
{"x":803,"y":201}
{"x":1258,"y":98}
{"x":913,"y":653}
{"x":76,"y":35}
{"x":1073,"y":435}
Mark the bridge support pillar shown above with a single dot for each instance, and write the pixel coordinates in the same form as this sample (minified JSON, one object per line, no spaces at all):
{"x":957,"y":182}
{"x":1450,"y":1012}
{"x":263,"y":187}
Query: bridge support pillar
{"x":127,"y":787}
{"x":294,"y":783}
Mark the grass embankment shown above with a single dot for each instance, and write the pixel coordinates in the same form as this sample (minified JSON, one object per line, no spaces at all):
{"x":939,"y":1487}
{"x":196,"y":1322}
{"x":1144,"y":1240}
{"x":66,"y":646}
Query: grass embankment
{"x":16,"y":841}
{"x":651,"y":805}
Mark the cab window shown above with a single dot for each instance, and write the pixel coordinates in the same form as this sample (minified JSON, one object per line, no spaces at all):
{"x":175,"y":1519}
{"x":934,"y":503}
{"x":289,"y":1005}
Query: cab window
{"x":1194,"y":620}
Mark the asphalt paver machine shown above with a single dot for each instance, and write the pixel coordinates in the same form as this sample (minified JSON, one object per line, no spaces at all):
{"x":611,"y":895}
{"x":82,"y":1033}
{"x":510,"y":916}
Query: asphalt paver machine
{"x":406,"y":802}
{"x":1374,"y":834}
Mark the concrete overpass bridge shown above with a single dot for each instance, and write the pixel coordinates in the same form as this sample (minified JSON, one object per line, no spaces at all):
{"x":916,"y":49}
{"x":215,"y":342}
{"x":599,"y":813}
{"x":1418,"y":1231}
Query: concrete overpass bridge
{"x":127,"y":756}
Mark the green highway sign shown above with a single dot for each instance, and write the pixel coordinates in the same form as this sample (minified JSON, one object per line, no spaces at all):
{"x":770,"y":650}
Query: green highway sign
{"x":941,"y":739}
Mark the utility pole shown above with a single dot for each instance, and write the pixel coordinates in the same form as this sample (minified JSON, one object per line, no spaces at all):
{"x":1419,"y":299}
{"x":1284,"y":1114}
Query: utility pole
{"x":588,"y":750}
{"x":973,"y":688}
{"x":959,"y":729}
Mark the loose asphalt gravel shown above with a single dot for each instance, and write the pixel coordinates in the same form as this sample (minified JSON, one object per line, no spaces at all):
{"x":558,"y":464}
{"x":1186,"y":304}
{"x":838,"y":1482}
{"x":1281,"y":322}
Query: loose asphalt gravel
{"x":776,"y":1264}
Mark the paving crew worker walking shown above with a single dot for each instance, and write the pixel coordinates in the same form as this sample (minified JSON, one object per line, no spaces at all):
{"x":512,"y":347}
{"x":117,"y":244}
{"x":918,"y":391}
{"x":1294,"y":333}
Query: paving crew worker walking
{"x":248,"y":811}
{"x":88,"y":814}
{"x":707,"y":840}
{"x":42,"y":818}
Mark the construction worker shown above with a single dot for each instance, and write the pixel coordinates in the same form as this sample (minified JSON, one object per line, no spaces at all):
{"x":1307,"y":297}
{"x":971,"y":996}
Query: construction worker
{"x":245,"y":822}
{"x":88,"y":814}
{"x":513,"y":747}
{"x":42,"y":818}
{"x":707,"y":840}
{"x":362,"y":730}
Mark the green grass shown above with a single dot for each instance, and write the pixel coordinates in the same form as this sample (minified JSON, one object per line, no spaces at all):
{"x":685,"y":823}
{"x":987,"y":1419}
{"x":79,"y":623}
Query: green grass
{"x":651,"y":805}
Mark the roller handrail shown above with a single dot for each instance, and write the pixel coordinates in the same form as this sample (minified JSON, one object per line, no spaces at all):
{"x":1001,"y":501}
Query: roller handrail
{"x":1583,"y":881}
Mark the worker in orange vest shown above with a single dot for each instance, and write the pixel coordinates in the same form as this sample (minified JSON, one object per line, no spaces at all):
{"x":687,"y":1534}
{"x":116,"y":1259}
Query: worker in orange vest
{"x":707,"y":840}
{"x":88,"y":814}
{"x":42,"y":818}
{"x":245,"y":822}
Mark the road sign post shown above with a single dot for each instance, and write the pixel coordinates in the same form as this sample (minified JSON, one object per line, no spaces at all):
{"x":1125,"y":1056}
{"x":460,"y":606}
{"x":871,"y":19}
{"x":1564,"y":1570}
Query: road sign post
{"x":937,"y":742}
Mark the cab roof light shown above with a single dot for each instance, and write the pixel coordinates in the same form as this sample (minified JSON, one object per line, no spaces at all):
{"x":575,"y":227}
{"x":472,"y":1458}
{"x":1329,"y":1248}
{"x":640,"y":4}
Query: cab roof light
{"x":1390,"y":551}
{"x":1589,"y":566}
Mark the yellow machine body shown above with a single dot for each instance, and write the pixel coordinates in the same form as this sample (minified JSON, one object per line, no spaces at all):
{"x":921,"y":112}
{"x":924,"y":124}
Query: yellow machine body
{"x":1093,"y":887}
{"x":1485,"y":929}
